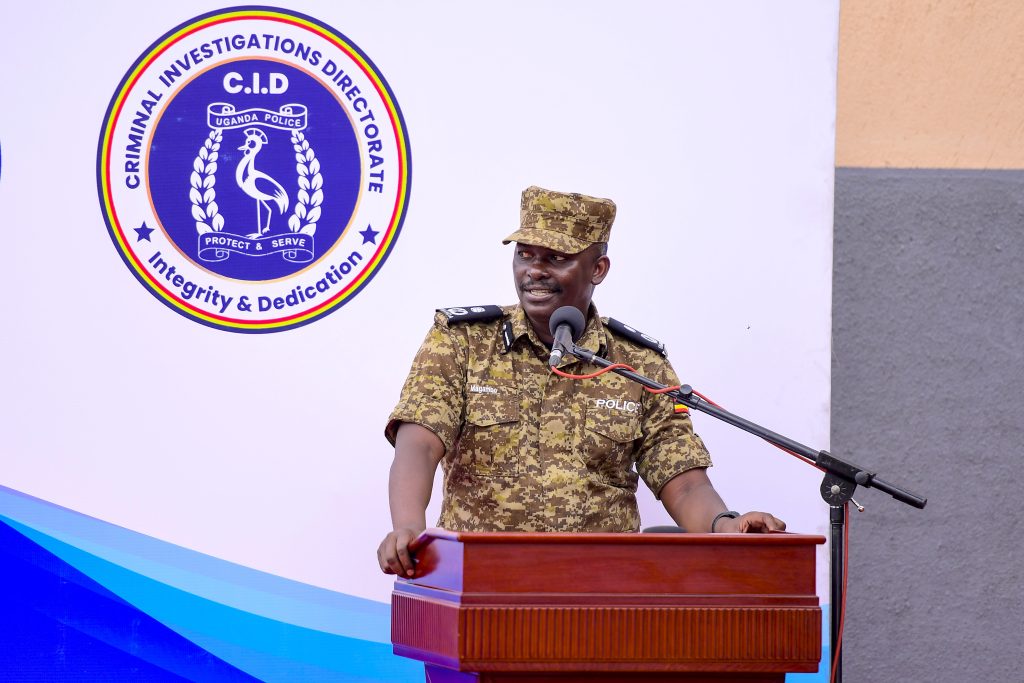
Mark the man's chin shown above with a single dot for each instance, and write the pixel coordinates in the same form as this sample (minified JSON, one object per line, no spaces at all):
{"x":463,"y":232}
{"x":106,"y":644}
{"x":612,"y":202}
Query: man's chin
{"x":539,"y":309}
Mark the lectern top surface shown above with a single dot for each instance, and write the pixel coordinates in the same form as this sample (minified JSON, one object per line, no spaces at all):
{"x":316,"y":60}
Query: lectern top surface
{"x":490,"y":537}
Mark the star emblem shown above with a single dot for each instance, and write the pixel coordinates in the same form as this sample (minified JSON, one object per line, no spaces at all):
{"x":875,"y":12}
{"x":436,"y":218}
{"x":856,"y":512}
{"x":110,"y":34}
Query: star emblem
{"x":369,"y":235}
{"x":143,"y":233}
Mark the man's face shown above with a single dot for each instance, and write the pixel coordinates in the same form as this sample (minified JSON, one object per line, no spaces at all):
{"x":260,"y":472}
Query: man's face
{"x":546,"y":280}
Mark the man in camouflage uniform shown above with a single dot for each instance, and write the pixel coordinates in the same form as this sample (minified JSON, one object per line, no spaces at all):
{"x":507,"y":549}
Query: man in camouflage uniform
{"x":524,"y":449}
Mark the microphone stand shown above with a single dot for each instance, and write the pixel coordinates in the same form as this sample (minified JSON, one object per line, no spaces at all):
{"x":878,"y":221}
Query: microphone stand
{"x":837,"y":488}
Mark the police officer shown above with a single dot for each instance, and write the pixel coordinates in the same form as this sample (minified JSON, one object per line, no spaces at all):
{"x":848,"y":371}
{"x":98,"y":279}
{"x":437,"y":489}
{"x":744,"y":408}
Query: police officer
{"x":524,"y":449}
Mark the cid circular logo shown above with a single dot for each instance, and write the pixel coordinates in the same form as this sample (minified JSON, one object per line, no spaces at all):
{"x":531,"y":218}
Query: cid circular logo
{"x":253,"y":169}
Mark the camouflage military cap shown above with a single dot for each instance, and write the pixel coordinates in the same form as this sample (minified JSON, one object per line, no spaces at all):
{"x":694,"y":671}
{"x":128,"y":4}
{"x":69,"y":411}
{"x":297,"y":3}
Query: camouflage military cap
{"x":565,"y":222}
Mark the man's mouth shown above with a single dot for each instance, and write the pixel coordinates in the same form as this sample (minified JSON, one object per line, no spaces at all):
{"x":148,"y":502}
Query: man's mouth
{"x":536,"y":292}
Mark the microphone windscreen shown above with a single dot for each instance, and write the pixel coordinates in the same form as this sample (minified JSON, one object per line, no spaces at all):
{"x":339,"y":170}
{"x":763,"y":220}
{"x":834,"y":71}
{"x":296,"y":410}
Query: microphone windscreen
{"x":570,"y":315}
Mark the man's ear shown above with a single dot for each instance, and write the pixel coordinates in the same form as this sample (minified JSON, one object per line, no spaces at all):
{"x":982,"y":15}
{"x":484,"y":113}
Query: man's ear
{"x":601,"y":267}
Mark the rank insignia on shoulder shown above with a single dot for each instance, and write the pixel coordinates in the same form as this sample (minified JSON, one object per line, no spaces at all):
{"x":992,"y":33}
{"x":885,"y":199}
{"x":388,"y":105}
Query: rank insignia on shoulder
{"x":636,"y":336}
{"x":470,"y":314}
{"x":506,"y":335}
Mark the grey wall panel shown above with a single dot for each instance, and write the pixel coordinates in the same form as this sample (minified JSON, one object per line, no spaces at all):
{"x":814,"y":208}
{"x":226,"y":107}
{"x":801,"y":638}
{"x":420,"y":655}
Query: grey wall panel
{"x":928,"y":369}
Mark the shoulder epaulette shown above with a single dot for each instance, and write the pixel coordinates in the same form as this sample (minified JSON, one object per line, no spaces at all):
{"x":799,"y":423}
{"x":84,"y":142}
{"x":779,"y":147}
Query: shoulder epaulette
{"x":469,"y":314}
{"x":635,"y":336}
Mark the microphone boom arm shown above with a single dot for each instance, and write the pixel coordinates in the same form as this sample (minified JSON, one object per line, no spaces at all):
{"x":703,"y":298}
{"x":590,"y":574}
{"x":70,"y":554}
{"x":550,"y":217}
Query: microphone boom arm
{"x":843,"y":470}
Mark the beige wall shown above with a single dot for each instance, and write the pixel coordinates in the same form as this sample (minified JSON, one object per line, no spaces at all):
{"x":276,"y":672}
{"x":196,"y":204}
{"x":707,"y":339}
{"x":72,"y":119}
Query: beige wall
{"x":931,"y":84}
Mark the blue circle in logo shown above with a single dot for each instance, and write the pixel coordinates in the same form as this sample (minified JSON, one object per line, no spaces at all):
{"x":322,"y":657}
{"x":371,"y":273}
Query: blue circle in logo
{"x":254,"y":170}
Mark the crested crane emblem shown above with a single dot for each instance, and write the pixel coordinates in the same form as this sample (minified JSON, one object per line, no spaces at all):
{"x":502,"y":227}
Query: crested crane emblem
{"x":258,"y":184}
{"x":254,"y":169}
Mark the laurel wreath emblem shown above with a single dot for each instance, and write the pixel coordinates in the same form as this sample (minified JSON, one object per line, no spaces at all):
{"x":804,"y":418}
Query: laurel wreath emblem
{"x":204,"y":197}
{"x":311,"y":193}
{"x":204,"y":174}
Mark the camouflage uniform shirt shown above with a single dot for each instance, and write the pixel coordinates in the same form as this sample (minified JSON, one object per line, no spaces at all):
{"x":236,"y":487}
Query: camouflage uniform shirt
{"x":527,"y":450}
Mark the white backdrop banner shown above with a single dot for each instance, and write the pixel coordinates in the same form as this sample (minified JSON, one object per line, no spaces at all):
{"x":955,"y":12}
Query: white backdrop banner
{"x":228,"y":228}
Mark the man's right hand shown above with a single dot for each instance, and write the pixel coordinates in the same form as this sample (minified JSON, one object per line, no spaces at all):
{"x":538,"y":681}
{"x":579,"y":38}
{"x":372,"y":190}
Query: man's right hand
{"x":393,"y":554}
{"x":417,"y":454}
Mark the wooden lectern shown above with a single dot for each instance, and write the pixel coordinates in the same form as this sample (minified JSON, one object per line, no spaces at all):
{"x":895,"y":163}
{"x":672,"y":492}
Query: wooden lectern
{"x":547,"y":607}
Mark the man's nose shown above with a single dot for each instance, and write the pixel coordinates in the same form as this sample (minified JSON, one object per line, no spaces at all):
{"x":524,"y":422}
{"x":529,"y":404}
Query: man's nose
{"x":537,"y":270}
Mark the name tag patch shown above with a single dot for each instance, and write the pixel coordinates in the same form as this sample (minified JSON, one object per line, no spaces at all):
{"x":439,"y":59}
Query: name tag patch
{"x":618,"y":404}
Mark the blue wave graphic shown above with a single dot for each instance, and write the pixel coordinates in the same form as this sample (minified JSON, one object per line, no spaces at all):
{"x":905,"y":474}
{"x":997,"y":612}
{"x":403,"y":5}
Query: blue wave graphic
{"x":106,"y":601}
{"x":58,"y":624}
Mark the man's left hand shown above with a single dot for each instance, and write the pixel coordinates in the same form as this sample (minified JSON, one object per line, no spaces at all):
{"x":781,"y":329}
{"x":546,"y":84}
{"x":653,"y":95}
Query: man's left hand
{"x":750,"y":523}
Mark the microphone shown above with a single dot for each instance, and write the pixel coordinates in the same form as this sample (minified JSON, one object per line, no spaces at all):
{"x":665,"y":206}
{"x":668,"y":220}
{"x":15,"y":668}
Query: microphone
{"x":566,"y":326}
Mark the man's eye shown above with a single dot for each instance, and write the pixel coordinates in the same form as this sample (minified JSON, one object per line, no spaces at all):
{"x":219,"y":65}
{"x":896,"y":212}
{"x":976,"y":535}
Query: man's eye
{"x":557,"y":258}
